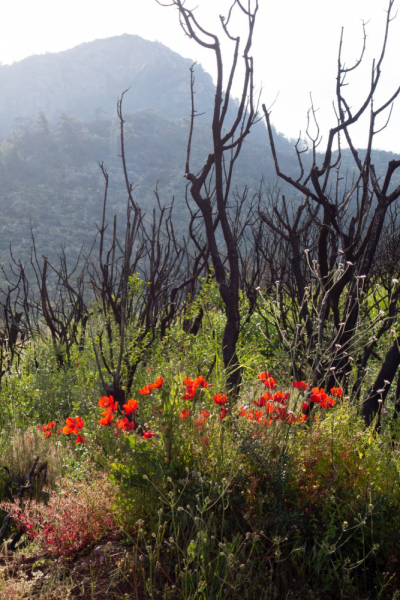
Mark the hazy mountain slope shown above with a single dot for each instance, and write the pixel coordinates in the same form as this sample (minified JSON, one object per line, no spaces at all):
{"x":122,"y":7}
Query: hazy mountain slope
{"x":57,"y":112}
{"x":93,"y":75}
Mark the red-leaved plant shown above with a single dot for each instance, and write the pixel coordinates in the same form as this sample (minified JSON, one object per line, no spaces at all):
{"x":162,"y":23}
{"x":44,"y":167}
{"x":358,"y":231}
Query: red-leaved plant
{"x":76,"y":515}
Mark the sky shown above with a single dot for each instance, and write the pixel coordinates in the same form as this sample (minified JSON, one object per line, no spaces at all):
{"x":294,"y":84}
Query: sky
{"x":295,"y":48}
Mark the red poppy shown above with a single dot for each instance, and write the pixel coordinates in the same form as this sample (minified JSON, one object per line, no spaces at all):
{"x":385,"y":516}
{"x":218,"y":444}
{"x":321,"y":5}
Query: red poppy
{"x":131,"y":406}
{"x":80,"y":439}
{"x":327,"y":403}
{"x":263,"y":400}
{"x":191,"y":386}
{"x":159,"y":382}
{"x":148,"y":434}
{"x":107,"y":419}
{"x":125,"y":424}
{"x":73,"y":425}
{"x":270,"y":383}
{"x":242,"y":411}
{"x":337,"y":392}
{"x":47,"y":428}
{"x":270,"y":408}
{"x":59,"y":431}
{"x":260,"y":401}
{"x":300,"y":385}
{"x":280,"y":413}
{"x":220,"y":399}
{"x":263,"y":376}
{"x":146,"y":390}
{"x":223,"y":413}
{"x":184,"y":414}
{"x":318,"y":395}
{"x":201,"y":382}
{"x":108,"y":403}
{"x":250,"y":415}
{"x":205,"y":414}
{"x":281,"y":398}
{"x":305,"y":405}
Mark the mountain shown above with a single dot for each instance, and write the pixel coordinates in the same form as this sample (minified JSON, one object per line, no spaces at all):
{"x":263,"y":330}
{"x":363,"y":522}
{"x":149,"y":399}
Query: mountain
{"x":87,"y":80}
{"x":58,"y":120}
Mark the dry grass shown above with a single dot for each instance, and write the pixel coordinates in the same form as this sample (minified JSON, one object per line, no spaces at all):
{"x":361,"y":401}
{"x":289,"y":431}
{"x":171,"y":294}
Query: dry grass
{"x":23,"y":446}
{"x":106,"y":572}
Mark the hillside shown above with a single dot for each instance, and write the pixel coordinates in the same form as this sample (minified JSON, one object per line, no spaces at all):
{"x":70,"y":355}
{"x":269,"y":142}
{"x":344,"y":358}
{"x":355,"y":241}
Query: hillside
{"x":58,"y":119}
{"x":87,"y":80}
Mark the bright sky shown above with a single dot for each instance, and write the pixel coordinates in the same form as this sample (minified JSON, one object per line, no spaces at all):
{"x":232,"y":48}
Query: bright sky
{"x":295,"y":46}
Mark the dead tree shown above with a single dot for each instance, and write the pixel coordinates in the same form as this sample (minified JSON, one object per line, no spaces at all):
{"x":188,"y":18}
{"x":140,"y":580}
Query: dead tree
{"x":352,"y":223}
{"x":139,"y":282}
{"x":213,"y":200}
{"x":42,"y":298}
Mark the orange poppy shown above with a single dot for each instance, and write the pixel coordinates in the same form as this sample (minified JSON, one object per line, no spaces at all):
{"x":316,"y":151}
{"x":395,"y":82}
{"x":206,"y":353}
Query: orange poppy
{"x":131,"y":406}
{"x":107,"y":419}
{"x":125,"y":424}
{"x":300,"y":385}
{"x":337,"y":392}
{"x":73,"y":425}
{"x":146,"y":390}
{"x":184,"y":414}
{"x":158,"y":383}
{"x":108,"y":403}
{"x":220,"y":399}
{"x":223,"y":413}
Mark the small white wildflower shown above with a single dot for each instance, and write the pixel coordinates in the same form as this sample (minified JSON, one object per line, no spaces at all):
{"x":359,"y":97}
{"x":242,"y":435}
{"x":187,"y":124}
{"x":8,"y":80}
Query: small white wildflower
{"x":381,"y":312}
{"x":258,"y":288}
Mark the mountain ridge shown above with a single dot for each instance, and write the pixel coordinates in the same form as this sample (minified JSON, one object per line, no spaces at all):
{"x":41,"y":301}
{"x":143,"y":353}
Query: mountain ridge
{"x":92,"y":75}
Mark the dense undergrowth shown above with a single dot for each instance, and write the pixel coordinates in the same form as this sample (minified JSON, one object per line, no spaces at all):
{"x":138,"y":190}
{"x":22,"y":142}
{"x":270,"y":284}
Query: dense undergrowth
{"x":186,"y":492}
